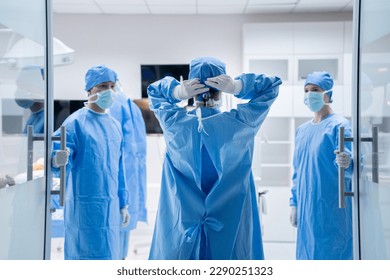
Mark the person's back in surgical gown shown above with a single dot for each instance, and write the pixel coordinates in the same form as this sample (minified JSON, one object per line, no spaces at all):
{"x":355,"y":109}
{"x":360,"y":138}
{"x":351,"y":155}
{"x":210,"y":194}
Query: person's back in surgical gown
{"x":207,"y":190}
{"x":134,"y":133}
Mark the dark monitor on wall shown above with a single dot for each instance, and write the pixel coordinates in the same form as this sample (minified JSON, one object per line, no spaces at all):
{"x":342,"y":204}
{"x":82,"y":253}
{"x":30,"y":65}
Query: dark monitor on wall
{"x":149,"y":74}
{"x":153,"y":72}
{"x":152,"y":125}
{"x":64,"y":108}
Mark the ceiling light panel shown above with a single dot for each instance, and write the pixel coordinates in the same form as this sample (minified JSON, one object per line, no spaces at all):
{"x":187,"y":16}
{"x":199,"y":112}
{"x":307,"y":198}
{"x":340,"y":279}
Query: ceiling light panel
{"x":125,"y":9}
{"x":261,"y":9}
{"x":221,"y":2}
{"x":318,"y":8}
{"x":216,"y":9}
{"x":272,"y":2}
{"x":72,"y":2}
{"x":120,"y":2}
{"x":315,"y":2}
{"x":168,"y":9}
{"x":76,"y":9}
{"x":171,"y":2}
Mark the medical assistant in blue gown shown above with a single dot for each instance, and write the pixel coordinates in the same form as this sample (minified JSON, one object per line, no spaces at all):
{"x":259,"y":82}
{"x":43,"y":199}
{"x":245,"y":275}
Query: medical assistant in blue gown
{"x":207,"y":188}
{"x":36,"y":119}
{"x":324,"y":231}
{"x":134,"y":133}
{"x":95,"y":186}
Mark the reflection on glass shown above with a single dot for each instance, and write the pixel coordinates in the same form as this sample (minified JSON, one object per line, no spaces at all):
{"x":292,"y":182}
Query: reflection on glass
{"x":29,"y":96}
{"x":22,"y":91}
{"x":22,"y":103}
{"x":375,"y":112}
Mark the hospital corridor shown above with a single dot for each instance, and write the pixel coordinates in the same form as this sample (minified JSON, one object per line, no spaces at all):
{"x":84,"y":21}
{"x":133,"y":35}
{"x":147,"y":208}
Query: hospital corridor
{"x":195,"y":130}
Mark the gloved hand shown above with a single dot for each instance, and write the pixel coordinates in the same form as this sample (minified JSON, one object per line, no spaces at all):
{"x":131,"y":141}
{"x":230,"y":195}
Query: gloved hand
{"x":225,"y":83}
{"x":343,"y":159}
{"x":293,"y":216}
{"x":60,"y":158}
{"x":188,"y":89}
{"x":125,"y":217}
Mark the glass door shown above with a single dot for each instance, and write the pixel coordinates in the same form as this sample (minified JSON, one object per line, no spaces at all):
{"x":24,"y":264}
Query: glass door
{"x":372,"y":129}
{"x":24,"y":126}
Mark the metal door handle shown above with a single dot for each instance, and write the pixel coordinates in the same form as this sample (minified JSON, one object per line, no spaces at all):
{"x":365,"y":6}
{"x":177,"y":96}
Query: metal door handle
{"x":30,"y":150}
{"x":30,"y":157}
{"x":375,"y":161}
{"x":61,"y":192}
{"x":375,"y":155}
{"x":342,"y":192}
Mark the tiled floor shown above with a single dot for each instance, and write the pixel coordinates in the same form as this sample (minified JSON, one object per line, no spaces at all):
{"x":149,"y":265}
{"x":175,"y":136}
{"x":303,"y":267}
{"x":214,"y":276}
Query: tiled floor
{"x":139,"y":249}
{"x":272,"y":251}
{"x":279,"y":251}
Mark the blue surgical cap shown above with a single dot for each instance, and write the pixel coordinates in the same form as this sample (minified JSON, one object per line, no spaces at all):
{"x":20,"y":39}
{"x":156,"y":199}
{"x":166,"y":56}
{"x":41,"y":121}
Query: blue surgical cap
{"x":322,"y":79}
{"x":97,"y":75}
{"x":206,"y":67}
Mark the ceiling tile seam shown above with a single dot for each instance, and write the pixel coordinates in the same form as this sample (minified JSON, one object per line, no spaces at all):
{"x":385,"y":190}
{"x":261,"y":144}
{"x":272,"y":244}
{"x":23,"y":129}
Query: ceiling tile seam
{"x":98,"y":6}
{"x":246,"y":6}
{"x":295,"y":6}
{"x":148,"y":7}
{"x":346,"y":5}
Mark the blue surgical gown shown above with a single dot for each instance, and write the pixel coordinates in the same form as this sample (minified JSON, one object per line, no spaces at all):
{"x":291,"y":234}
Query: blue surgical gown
{"x":324,"y":231}
{"x":134,"y":133}
{"x":37,"y":120}
{"x":57,"y":218}
{"x":95,"y":186}
{"x":207,"y":207}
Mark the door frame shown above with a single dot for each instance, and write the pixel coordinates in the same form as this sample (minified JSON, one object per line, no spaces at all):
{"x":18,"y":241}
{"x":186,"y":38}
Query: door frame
{"x":49,"y":120}
{"x":355,"y":126}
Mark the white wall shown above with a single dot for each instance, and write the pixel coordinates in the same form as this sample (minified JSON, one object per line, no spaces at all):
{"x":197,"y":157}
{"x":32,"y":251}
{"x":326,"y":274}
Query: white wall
{"x":125,"y":42}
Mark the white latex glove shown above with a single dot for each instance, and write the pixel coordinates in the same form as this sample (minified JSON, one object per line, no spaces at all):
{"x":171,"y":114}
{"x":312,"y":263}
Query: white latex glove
{"x":188,"y":89}
{"x":60,"y":158}
{"x":293,"y":216}
{"x":343,"y":159}
{"x":225,"y":83}
{"x":125,"y":217}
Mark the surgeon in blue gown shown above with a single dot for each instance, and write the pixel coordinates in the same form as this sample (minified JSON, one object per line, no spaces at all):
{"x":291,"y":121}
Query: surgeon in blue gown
{"x":207,"y":207}
{"x":96,"y":199}
{"x":128,"y":114}
{"x":324,"y":231}
{"x":30,"y":94}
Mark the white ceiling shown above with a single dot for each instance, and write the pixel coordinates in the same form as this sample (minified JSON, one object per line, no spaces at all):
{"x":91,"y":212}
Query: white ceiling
{"x":203,"y":7}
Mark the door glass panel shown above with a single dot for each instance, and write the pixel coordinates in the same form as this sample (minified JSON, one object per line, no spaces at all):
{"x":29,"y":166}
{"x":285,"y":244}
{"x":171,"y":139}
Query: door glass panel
{"x":374,"y":89}
{"x":22,"y":103}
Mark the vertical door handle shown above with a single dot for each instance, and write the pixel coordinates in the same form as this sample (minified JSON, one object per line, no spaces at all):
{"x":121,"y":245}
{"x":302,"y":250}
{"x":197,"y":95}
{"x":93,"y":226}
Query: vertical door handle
{"x":342,"y":192}
{"x":375,"y":153}
{"x":63,"y":168}
{"x":30,"y":150}
{"x":61,"y":192}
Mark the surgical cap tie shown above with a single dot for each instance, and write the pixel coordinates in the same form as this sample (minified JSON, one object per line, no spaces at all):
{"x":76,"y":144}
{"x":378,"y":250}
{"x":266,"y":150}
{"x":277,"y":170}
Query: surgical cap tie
{"x":192,"y":232}
{"x":200,"y":126}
